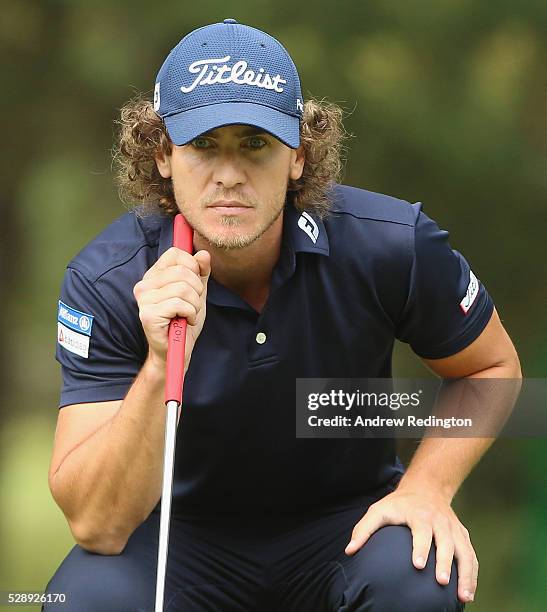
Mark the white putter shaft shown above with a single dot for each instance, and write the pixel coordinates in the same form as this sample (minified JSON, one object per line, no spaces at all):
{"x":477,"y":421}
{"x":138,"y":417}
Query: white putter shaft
{"x":166,"y":495}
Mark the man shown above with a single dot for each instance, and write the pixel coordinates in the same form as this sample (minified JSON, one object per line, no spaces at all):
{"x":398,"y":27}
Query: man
{"x":294,"y":275}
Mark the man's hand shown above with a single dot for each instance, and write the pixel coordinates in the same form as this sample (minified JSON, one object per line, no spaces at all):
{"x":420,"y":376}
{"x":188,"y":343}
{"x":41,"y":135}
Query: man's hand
{"x":175,"y":286}
{"x":428,"y":515}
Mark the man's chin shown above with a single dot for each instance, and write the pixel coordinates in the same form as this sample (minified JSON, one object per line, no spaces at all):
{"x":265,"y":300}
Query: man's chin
{"x":229,"y":241}
{"x":233,"y":232}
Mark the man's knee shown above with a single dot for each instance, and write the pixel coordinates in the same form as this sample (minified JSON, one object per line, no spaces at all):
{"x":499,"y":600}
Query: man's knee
{"x":413,"y":591}
{"x":384,"y":578}
{"x":90,"y":582}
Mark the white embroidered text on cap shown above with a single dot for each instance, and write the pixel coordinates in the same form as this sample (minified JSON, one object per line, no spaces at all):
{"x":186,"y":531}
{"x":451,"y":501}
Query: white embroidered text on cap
{"x":238,"y":74}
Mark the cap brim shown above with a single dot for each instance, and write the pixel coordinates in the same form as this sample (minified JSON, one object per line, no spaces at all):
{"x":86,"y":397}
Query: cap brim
{"x":184,"y":127}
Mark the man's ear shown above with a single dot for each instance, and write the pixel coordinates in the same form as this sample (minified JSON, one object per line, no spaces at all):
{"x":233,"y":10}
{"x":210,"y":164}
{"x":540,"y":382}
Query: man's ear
{"x":163,"y":162}
{"x":297,"y":163}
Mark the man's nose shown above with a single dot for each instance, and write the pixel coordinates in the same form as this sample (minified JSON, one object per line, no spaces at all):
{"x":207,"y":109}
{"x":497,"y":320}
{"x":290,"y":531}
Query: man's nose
{"x":228,"y":170}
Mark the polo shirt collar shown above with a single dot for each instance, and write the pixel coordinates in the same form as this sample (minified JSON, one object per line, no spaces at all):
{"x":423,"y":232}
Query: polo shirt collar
{"x":166,"y":234}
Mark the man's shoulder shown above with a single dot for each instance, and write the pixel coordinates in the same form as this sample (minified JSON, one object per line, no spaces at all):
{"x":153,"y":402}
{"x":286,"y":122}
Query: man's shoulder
{"x":120,"y":244}
{"x":363,"y":204}
{"x":366,"y":227}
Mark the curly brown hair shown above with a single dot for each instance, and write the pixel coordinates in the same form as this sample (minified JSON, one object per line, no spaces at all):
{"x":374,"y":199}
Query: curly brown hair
{"x":142,"y":134}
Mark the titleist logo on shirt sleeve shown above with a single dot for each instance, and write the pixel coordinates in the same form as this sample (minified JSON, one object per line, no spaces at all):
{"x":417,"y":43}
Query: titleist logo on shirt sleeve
{"x":215,"y":70}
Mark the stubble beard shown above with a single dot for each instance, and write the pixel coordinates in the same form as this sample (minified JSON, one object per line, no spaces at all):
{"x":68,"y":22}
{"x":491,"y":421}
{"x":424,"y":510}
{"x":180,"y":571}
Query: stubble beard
{"x":232,"y":241}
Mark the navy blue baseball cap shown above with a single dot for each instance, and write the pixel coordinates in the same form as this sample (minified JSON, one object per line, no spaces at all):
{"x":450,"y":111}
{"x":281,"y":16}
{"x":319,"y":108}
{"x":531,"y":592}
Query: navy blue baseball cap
{"x":227,"y":73}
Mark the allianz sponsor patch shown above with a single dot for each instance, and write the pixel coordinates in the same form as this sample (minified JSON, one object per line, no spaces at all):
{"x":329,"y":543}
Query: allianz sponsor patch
{"x":74,"y":329}
{"x":80,"y":322}
{"x":471,"y":293}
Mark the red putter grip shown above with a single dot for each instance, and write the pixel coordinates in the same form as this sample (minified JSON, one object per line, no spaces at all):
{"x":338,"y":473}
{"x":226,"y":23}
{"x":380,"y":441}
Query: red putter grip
{"x":174,"y":375}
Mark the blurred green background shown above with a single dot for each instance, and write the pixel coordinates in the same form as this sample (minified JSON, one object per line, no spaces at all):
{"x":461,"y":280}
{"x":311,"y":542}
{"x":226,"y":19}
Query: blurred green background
{"x":447,"y":102}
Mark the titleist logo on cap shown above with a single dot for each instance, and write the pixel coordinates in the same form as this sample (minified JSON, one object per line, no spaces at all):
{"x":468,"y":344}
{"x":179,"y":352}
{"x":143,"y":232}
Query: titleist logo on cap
{"x":215,"y":70}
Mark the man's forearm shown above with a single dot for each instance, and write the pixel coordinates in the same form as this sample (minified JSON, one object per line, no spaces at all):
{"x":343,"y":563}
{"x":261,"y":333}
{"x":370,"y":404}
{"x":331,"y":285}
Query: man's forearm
{"x":109,"y":484}
{"x":442,"y":463}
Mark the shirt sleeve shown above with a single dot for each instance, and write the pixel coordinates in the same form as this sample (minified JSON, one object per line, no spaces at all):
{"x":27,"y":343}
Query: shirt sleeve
{"x":99,"y":345}
{"x":447,"y":306}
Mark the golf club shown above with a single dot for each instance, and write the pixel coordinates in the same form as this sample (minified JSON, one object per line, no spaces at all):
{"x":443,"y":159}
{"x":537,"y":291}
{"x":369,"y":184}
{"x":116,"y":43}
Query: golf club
{"x":182,"y":239}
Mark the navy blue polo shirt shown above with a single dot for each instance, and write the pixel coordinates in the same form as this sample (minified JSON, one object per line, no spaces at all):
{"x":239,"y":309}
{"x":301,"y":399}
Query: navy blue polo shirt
{"x":375,"y":269}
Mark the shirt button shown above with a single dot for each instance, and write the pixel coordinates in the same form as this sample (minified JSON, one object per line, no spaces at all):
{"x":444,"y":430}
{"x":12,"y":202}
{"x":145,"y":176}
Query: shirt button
{"x":260,"y":338}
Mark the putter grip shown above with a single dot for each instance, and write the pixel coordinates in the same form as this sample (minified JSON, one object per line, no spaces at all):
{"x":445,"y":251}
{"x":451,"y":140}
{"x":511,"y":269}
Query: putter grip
{"x":174,"y":375}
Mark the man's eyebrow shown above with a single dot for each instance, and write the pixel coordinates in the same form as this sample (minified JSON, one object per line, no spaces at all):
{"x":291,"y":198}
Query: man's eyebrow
{"x":247,"y":131}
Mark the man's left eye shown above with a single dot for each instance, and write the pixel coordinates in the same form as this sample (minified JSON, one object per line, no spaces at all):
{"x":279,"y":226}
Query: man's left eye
{"x":201,"y":143}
